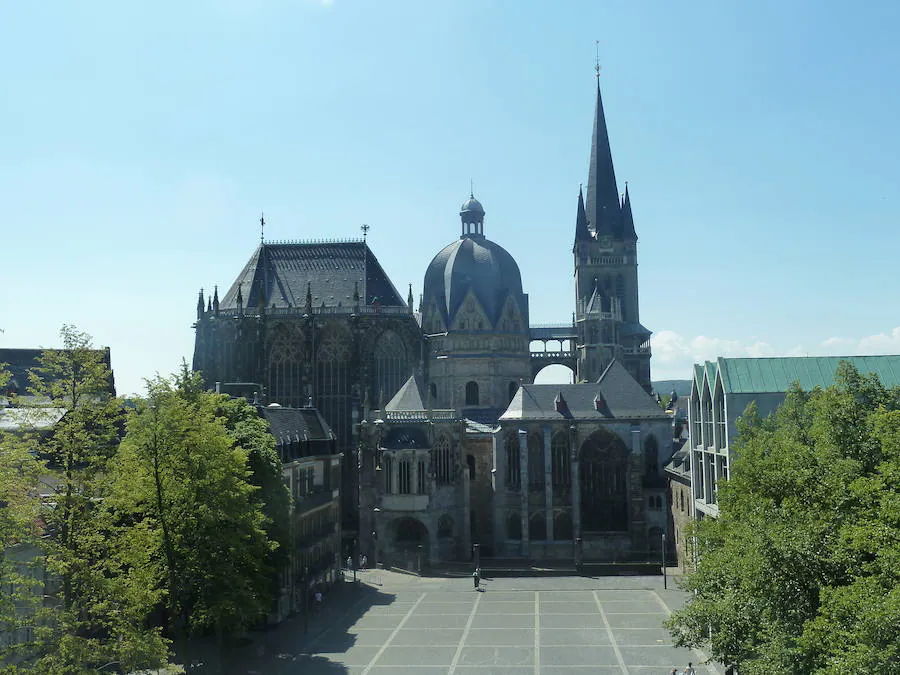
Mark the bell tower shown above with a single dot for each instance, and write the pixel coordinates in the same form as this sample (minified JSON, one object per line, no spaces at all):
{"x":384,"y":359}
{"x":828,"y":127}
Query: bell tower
{"x":607,"y":313}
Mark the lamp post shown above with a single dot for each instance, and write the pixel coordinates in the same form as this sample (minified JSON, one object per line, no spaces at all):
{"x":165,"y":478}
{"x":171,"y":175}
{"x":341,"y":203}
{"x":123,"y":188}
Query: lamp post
{"x":375,"y":513}
{"x":578,"y":553}
{"x":419,"y":559}
{"x":476,"y":554}
{"x":664,"y":560}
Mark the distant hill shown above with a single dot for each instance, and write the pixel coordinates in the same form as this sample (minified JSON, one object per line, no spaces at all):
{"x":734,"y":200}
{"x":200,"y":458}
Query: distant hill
{"x":664,"y":387}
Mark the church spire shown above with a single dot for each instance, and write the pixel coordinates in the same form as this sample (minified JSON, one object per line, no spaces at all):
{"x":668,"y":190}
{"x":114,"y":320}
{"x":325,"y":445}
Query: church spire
{"x":602,"y":193}
{"x":200,"y":305}
{"x":581,"y":224}
{"x":627,"y":219}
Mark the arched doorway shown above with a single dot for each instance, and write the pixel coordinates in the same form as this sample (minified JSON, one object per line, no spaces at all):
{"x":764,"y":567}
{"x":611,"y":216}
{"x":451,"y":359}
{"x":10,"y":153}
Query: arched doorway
{"x":604,"y":483}
{"x":410,"y":542}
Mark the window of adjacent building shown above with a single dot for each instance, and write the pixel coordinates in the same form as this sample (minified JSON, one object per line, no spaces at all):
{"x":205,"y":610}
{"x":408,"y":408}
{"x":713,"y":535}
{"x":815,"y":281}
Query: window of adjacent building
{"x":535,"y":463}
{"x":422,"y":478}
{"x":471,"y":393}
{"x":470,"y":461}
{"x":559,"y":453}
{"x":442,"y":464}
{"x":513,"y":476}
{"x":719,"y":411}
{"x":404,"y":472}
{"x":387,"y":469}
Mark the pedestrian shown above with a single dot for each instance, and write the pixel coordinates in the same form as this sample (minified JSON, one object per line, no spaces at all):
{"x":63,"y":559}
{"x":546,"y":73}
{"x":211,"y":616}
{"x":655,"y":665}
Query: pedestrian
{"x":689,"y":670}
{"x":349,"y":562}
{"x":476,"y":577}
{"x":365,"y":562}
{"x":318,"y":597}
{"x":674,"y":671}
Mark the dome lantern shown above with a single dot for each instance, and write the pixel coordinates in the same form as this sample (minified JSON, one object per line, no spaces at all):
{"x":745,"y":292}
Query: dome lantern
{"x":471,"y":213}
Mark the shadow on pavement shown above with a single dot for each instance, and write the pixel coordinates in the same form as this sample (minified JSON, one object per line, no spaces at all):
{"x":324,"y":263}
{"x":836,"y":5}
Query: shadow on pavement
{"x":295,"y":645}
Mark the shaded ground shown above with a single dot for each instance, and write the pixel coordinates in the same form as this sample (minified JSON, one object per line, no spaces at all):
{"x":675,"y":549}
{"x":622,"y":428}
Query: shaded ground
{"x":394,"y":623}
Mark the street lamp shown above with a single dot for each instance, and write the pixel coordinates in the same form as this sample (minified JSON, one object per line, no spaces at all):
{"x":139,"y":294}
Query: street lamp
{"x":375,"y":513}
{"x":664,"y":559}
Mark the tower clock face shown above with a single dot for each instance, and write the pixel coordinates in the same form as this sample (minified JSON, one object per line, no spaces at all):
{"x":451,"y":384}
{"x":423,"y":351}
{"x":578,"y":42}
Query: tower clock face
{"x":605,"y":241}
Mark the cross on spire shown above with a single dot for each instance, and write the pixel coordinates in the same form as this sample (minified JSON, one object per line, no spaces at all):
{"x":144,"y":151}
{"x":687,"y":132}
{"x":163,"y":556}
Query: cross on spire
{"x":365,"y":230}
{"x":597,"y":60}
{"x":262,"y":226}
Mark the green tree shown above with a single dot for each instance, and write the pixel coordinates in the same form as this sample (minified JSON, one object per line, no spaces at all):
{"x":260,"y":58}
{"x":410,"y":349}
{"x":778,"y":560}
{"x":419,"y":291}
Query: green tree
{"x":801,"y":570}
{"x":198,"y":526}
{"x":92,"y":616}
{"x":20,"y":594}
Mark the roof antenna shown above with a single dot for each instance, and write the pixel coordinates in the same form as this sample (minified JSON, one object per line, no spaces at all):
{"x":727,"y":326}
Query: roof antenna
{"x":597,"y":60}
{"x":365,"y":230}
{"x":262,"y":226}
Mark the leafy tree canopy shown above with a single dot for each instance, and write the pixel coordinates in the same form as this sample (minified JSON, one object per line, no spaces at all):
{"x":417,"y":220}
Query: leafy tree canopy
{"x":800,"y":573}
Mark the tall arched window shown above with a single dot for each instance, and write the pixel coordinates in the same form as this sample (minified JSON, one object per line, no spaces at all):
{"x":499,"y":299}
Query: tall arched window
{"x":442,"y":462}
{"x":604,"y":483}
{"x":333,"y":381}
{"x":513,"y":477}
{"x":559,"y":452}
{"x":432,"y":392}
{"x":471,"y":393}
{"x":513,"y":388}
{"x":285,"y":370}
{"x":470,"y":462}
{"x":388,"y":469}
{"x":391,"y":365}
{"x":535,"y":462}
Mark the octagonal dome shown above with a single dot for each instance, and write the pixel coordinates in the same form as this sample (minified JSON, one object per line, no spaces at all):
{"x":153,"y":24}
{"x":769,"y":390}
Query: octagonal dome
{"x":479,"y":264}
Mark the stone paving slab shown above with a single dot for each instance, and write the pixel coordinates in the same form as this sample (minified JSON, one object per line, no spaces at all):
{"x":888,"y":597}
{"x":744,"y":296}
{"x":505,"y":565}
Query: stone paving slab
{"x":531,"y":626}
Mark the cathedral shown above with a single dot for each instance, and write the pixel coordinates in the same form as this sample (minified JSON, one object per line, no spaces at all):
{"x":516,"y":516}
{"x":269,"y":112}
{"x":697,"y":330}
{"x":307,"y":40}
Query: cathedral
{"x":447,"y":441}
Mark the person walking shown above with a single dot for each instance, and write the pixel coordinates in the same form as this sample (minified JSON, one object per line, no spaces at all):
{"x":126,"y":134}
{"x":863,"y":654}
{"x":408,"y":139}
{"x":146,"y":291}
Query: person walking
{"x":689,"y":670}
{"x":476,"y":577}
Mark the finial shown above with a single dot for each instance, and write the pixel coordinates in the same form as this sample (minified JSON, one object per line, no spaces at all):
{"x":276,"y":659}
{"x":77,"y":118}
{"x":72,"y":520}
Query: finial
{"x":597,"y":60}
{"x":262,"y":226}
{"x":365,"y":230}
{"x":471,"y":189}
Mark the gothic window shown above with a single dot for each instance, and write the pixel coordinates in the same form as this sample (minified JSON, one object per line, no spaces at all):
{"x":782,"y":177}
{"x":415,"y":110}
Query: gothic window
{"x":445,"y":527}
{"x":333,"y":382}
{"x":432,"y":392}
{"x":513,"y":526}
{"x":422,"y":478}
{"x":651,"y":457}
{"x":559,"y":453}
{"x":387,"y":469}
{"x":471,"y":393}
{"x":620,"y":285}
{"x":604,"y":484}
{"x":513,"y":477}
{"x":442,"y":466}
{"x":562,"y":527}
{"x":537,"y":527}
{"x":535,"y":463}
{"x":470,"y":461}
{"x":404,"y":471}
{"x":391,"y":365}
{"x":285,"y":369}
{"x":513,"y":388}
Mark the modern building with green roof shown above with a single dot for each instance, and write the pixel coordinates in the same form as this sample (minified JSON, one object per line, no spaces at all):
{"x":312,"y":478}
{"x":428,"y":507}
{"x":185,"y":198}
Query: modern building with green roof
{"x":722,"y":389}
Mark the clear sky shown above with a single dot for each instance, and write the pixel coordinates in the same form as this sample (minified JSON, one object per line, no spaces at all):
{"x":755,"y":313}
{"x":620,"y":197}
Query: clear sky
{"x":139,"y":142}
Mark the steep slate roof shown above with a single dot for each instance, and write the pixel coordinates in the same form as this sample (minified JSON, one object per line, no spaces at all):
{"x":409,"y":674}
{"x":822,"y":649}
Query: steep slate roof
{"x":410,"y":397}
{"x":776,"y":374}
{"x":623,"y":398}
{"x":306,"y":424}
{"x":20,"y":361}
{"x":333,"y":272}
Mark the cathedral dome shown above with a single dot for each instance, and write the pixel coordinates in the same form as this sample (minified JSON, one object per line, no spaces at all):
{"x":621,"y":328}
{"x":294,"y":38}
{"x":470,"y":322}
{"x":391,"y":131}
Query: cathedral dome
{"x":476,"y":263}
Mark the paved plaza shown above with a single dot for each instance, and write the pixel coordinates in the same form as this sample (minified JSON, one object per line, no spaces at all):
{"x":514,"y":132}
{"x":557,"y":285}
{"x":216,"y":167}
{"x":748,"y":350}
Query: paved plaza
{"x":549,"y":626}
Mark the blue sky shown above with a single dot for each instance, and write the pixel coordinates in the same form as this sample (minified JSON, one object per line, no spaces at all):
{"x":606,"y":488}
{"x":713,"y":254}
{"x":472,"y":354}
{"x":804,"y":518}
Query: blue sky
{"x":141,"y":140}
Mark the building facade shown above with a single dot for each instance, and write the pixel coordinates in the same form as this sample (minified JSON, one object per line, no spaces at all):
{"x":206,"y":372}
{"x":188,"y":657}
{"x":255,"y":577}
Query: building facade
{"x":311,"y":466}
{"x":415,"y":399}
{"x":722,"y":389}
